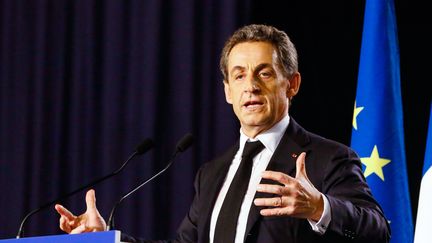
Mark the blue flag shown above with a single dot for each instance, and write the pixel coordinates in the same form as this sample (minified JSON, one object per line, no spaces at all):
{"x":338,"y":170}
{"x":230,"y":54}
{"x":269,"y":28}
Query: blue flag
{"x":424,"y":210}
{"x":377,"y":134}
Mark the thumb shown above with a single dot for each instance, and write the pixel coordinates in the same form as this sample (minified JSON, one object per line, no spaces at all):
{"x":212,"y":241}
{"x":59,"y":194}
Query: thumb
{"x":91,"y":200}
{"x":300,"y":166}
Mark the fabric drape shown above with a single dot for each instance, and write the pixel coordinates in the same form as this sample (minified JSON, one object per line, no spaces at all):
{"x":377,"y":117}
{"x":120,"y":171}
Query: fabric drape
{"x":83,"y":82}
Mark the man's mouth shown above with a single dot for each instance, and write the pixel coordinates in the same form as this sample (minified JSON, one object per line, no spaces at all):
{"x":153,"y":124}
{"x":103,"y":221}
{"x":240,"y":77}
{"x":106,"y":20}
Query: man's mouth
{"x":253,"y":104}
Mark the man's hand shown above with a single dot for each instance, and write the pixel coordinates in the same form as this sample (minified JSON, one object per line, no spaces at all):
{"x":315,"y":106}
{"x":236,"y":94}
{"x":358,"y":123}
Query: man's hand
{"x":90,"y":221}
{"x":297,"y":196}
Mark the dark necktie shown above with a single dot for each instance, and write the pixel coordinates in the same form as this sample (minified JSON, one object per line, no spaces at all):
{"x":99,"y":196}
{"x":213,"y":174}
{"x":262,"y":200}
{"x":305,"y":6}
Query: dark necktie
{"x":226,"y":224}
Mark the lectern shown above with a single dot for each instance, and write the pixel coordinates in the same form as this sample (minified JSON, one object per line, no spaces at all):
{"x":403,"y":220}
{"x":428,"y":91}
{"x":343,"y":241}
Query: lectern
{"x":99,"y":237}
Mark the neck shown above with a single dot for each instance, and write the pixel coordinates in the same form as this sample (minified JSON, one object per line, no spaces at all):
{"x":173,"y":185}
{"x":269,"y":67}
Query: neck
{"x":253,"y":131}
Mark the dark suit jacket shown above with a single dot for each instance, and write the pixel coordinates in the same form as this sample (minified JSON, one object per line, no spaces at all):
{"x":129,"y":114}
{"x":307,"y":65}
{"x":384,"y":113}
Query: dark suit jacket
{"x":334,"y":169}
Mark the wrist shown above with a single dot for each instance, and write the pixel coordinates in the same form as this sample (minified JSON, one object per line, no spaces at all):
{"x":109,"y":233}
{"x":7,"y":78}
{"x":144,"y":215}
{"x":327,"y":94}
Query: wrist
{"x":319,"y":209}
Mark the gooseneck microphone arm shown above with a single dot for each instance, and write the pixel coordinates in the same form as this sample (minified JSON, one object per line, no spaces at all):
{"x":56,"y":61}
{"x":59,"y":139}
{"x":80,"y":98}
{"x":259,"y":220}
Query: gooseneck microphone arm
{"x":143,"y":147}
{"x":182,"y":145}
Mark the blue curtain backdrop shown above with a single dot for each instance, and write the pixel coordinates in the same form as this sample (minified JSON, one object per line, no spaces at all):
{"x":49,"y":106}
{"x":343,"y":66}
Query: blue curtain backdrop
{"x":83,"y":82}
{"x":378,"y":131}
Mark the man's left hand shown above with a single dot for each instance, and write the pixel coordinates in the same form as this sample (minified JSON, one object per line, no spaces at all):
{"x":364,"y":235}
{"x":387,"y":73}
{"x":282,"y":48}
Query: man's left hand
{"x":297,"y":196}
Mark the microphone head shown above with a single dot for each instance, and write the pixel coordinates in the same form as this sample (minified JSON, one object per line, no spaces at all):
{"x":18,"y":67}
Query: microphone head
{"x":144,"y":146}
{"x":185,"y":142}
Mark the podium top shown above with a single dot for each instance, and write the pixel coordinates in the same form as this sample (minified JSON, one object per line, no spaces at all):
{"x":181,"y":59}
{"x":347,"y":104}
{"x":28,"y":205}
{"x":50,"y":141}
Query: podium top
{"x":100,"y":237}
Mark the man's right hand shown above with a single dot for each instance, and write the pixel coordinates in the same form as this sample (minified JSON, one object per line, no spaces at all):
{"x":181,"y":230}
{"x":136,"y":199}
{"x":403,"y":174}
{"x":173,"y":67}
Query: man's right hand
{"x":90,"y":221}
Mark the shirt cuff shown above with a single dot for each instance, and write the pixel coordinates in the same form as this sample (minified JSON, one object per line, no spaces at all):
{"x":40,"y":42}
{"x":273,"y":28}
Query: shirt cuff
{"x":321,"y":226}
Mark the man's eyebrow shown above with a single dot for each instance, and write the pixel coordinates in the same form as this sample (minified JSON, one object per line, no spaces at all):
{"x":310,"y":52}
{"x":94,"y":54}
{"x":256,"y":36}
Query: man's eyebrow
{"x":257,"y":68}
{"x":235,"y":68}
{"x":262,"y":66}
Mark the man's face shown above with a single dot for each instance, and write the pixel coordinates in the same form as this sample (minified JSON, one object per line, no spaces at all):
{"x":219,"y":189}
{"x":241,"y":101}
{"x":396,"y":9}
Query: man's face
{"x":256,"y":87}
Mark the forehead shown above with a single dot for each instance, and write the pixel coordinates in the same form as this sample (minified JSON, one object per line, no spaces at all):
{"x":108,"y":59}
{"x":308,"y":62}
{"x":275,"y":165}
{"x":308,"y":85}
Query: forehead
{"x":250,"y":54}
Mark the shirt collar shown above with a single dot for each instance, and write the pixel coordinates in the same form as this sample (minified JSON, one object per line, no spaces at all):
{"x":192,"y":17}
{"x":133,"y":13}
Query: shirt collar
{"x":269,"y":138}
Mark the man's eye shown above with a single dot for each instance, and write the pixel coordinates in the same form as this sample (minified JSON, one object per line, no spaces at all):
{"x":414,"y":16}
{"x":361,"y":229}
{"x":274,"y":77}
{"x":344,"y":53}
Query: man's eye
{"x":265,"y":75}
{"x":238,"y":77}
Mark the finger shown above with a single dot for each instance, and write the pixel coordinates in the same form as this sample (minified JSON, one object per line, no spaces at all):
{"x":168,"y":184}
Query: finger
{"x":281,"y":201}
{"x":91,"y":200}
{"x":273,"y":212}
{"x":277,"y":176}
{"x":80,"y":229}
{"x":64,"y":224}
{"x":300,"y":165}
{"x":287,"y":211}
{"x":64,"y":212}
{"x":274,"y":189}
{"x":268,"y":202}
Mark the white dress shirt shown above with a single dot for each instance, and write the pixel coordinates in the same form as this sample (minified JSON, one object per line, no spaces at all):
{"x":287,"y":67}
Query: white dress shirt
{"x":270,"y":139}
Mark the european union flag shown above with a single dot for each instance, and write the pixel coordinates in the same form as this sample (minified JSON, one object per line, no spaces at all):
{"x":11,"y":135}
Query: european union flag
{"x":378,"y":135}
{"x":424,"y":210}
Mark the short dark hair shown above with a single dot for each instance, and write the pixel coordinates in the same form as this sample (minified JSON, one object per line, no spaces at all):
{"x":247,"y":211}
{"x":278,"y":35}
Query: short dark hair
{"x":285,"y":49}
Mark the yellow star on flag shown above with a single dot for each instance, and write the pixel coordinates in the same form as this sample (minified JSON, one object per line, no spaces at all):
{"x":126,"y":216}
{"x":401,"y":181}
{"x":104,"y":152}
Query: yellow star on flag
{"x":374,"y":164}
{"x":357,"y":110}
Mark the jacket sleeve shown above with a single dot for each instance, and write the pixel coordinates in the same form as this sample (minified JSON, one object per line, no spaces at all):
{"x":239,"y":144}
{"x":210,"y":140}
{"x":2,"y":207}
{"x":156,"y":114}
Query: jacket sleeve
{"x":355,"y":214}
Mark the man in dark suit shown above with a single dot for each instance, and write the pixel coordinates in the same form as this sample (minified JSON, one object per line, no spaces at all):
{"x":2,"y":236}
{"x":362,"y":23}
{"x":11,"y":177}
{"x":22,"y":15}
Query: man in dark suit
{"x":295,"y":187}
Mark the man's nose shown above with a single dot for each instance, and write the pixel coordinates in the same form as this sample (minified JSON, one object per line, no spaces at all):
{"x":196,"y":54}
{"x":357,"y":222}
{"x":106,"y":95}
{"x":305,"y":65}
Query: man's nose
{"x":251,"y":84}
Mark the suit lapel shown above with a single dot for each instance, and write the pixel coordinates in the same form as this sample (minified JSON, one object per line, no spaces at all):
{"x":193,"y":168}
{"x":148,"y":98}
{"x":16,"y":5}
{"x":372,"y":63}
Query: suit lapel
{"x":214,"y":178}
{"x":283,"y":160}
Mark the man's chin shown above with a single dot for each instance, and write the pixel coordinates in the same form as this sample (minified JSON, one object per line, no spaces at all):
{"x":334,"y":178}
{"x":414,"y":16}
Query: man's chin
{"x":255,"y":123}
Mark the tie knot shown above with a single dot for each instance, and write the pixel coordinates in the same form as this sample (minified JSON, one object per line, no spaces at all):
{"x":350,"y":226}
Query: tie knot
{"x":251,"y":149}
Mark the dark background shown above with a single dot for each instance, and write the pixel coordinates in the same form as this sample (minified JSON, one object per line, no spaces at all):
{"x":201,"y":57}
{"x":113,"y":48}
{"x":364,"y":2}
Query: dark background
{"x":83,"y":82}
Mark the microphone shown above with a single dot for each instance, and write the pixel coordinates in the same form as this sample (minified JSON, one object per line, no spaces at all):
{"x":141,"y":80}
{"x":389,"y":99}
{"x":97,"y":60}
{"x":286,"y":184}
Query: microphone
{"x":184,"y":143}
{"x":143,"y":147}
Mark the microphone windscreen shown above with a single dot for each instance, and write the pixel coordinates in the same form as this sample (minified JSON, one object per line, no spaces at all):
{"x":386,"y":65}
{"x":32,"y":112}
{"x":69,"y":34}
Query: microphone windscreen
{"x":145,"y":146}
{"x":185,"y":142}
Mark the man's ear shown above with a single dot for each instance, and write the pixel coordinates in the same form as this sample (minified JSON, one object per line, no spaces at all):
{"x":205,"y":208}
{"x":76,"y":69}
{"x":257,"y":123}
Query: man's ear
{"x":293,"y":85}
{"x":227,"y":90}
